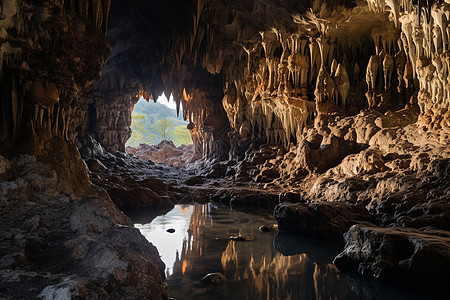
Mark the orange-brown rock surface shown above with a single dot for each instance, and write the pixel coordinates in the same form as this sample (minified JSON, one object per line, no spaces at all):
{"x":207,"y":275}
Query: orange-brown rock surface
{"x":164,"y":153}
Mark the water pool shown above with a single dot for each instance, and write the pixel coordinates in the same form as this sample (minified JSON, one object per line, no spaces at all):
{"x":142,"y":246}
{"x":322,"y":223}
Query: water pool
{"x":270,"y":265}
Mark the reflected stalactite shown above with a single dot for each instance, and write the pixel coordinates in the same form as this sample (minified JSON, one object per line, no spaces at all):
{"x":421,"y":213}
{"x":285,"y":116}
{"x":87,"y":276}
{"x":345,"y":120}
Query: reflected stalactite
{"x":269,"y":276}
{"x":272,"y":277}
{"x":193,"y":246}
{"x":199,"y":218}
{"x":328,"y":282}
{"x":253,"y":269}
{"x":230,"y":260}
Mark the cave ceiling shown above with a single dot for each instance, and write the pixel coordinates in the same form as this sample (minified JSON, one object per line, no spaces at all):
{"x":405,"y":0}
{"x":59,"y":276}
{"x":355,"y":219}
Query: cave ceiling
{"x":157,"y":45}
{"x":265,"y":70}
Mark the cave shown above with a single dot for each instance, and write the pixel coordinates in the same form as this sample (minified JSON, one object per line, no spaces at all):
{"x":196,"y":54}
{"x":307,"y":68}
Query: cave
{"x":316,"y":124}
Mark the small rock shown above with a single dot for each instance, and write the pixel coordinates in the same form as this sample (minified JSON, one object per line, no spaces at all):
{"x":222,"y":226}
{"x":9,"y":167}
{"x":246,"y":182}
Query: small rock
{"x":264,"y":228}
{"x":241,"y":238}
{"x":214,"y":279}
{"x":170,"y":230}
{"x":121,"y":154}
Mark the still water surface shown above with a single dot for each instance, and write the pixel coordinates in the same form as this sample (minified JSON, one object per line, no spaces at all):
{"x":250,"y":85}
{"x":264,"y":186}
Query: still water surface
{"x":273,"y":265}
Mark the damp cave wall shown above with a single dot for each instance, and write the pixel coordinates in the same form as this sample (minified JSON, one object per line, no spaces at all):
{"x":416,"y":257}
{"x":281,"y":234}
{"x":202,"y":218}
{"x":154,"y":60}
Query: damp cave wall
{"x":50,"y":54}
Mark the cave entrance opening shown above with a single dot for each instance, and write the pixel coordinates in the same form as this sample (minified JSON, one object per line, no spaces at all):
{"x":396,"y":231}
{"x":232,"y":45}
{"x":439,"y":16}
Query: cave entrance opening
{"x":160,"y":134}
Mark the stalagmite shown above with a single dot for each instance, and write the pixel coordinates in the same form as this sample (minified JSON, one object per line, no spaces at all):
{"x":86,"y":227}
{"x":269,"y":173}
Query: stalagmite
{"x":371,"y":72}
{"x":388,"y":69}
{"x":343,"y":83}
{"x":334,"y":66}
{"x":371,"y":76}
{"x":319,"y":91}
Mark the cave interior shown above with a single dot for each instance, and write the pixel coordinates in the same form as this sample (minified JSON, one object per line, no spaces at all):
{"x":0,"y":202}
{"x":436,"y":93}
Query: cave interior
{"x":332,"y":115}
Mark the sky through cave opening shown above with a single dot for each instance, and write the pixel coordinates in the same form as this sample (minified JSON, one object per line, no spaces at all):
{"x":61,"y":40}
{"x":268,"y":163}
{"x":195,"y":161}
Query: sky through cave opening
{"x":159,"y":134}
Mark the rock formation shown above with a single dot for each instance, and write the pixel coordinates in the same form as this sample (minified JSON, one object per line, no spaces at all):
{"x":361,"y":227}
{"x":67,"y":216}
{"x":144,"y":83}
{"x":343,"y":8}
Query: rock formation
{"x":60,"y":238}
{"x":319,"y":100}
{"x":164,"y":153}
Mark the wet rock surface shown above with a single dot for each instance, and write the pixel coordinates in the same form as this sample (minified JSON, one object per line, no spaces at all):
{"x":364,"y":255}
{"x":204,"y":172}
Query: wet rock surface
{"x":398,"y":254}
{"x":320,"y":219}
{"x":132,"y":182}
{"x":214,"y":280}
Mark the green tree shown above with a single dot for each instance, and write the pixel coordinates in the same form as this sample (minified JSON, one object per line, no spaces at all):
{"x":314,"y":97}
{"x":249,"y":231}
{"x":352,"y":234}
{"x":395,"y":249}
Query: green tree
{"x":139,"y":133}
{"x":163,"y":127}
{"x":181,"y":135}
{"x":146,"y":117}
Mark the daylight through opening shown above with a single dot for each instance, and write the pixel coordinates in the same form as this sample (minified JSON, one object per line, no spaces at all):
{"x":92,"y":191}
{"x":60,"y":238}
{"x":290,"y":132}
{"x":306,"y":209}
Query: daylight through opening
{"x":159,"y":134}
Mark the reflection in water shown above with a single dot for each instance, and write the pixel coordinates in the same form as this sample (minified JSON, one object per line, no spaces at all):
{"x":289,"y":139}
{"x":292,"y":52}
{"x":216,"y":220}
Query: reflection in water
{"x":257,"y":269}
{"x":169,"y":244}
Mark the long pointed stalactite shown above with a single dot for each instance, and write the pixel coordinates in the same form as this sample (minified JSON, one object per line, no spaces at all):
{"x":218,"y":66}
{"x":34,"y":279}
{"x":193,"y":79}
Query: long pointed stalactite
{"x":288,"y":73}
{"x":43,"y":102}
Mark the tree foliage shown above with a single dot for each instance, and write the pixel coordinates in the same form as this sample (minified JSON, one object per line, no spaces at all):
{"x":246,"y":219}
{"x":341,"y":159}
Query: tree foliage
{"x":163,"y":128}
{"x":182,"y":135}
{"x":139,"y":133}
{"x":147,"y":119}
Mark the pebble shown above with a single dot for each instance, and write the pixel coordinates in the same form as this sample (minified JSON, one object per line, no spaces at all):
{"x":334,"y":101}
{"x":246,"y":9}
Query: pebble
{"x":237,"y":238}
{"x":170,"y":230}
{"x":264,"y":228}
{"x":214,"y":279}
{"x":240,"y":238}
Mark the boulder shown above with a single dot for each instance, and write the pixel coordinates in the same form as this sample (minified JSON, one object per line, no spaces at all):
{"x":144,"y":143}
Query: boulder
{"x":90,"y":147}
{"x":129,"y":197}
{"x":328,"y":155}
{"x":95,"y":165}
{"x":403,"y":255}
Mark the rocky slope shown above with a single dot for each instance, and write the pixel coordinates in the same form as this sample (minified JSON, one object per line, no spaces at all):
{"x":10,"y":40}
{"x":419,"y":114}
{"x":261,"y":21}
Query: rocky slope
{"x":62,"y":239}
{"x":164,"y":153}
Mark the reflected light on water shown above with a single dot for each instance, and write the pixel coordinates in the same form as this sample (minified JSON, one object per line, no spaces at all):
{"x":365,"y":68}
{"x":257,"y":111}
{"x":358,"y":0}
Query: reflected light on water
{"x":169,"y":244}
